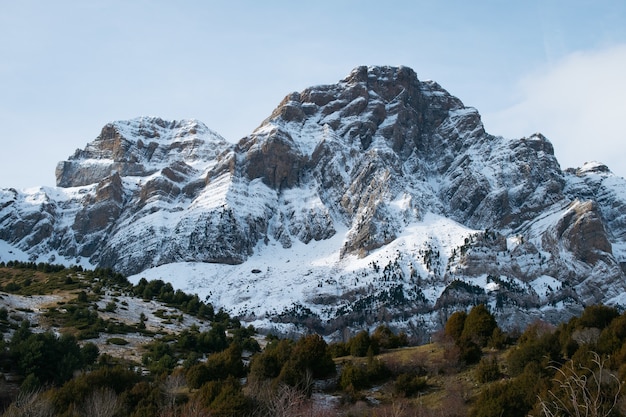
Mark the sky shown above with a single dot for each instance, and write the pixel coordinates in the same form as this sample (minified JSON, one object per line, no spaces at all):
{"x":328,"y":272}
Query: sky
{"x":69,"y":67}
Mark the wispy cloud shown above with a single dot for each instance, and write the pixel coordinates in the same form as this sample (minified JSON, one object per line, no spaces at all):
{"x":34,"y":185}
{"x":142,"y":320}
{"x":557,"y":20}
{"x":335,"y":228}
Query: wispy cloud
{"x":579,"y":103}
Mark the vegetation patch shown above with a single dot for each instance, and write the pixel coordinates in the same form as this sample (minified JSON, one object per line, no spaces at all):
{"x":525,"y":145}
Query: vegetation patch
{"x":117,"y":341}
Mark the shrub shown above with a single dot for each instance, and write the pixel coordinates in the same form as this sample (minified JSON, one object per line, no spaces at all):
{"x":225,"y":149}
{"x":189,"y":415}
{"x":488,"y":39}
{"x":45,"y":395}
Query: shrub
{"x":487,"y":370}
{"x":361,"y":343}
{"x":353,"y":376}
{"x":597,"y":316}
{"x":386,"y":339}
{"x":409,"y":384}
{"x":479,"y":325}
{"x":311,"y":353}
{"x":117,"y":341}
{"x":454,"y":325}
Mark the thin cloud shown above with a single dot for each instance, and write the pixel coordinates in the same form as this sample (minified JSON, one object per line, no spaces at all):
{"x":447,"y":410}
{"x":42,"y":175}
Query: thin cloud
{"x":579,"y":104}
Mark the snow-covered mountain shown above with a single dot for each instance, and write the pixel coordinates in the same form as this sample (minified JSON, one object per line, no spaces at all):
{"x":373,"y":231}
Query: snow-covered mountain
{"x":377,"y":199}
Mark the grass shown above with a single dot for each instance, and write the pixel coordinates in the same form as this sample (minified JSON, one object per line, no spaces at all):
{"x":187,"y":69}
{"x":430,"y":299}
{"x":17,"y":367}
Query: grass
{"x":33,"y":282}
{"x":449,"y":384}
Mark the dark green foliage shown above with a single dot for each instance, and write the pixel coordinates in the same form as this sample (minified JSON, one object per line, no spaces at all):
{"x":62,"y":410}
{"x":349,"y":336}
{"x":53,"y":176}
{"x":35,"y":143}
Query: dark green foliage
{"x":479,"y":325}
{"x":514,"y":397}
{"x":487,"y":370}
{"x":76,"y":390}
{"x":269,"y":363}
{"x":159,"y":357}
{"x":48,"y":358}
{"x":384,"y":338}
{"x":311,"y":353}
{"x":144,"y":399}
{"x":117,"y":341}
{"x":353,"y":376}
{"x":498,"y":339}
{"x":358,"y":376}
{"x":597,"y":316}
{"x":293,"y":363}
{"x":501,"y":399}
{"x":470,"y":352}
{"x":243,"y":336}
{"x":197,"y":375}
{"x":473,"y":331}
{"x":361,"y":343}
{"x":409,"y":384}
{"x":454,"y":325}
{"x":224,"y":398}
{"x":338,"y":349}
{"x":536,"y":345}
{"x":90,"y":353}
{"x":227,"y":363}
{"x":164,"y":292}
{"x":214,"y":340}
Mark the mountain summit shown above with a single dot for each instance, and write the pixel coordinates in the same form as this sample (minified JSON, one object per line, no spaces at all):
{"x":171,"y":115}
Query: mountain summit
{"x":379,"y":198}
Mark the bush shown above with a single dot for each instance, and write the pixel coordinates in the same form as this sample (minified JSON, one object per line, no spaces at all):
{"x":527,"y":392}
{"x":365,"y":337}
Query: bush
{"x":353,"y":376}
{"x":454,"y":325}
{"x":384,"y":338}
{"x":197,"y":376}
{"x":409,"y":384}
{"x":117,"y":341}
{"x":501,"y":399}
{"x":487,"y":370}
{"x":536,"y":345}
{"x":268,"y":364}
{"x":597,"y":316}
{"x":224,"y":399}
{"x":361,"y":343}
{"x":479,"y":325}
{"x":311,"y":353}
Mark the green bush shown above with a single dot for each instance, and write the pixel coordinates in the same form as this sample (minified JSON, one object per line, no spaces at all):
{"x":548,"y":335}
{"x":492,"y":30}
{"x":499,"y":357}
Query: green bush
{"x":409,"y":384}
{"x":479,"y":325}
{"x":117,"y":341}
{"x":454,"y":325}
{"x":384,"y":338}
{"x":353,"y":376}
{"x":487,"y":370}
{"x":361,"y":343}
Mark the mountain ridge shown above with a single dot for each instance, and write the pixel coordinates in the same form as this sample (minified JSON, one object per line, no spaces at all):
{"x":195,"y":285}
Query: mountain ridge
{"x":349,"y":172}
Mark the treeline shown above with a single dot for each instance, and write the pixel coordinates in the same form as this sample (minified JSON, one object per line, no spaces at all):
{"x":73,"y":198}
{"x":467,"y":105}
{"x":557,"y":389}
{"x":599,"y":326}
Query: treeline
{"x":41,"y":266}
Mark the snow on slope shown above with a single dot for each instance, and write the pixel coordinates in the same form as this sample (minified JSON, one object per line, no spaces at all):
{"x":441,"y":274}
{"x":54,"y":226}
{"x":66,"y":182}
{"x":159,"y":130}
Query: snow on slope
{"x":276,"y":278}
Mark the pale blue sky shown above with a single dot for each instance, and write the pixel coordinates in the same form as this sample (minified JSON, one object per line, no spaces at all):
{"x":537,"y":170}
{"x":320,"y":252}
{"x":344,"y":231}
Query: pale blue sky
{"x":69,"y":67}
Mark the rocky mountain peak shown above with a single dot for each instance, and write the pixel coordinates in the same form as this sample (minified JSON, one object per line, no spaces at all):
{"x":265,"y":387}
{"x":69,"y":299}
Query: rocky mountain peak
{"x":139,"y":147}
{"x":378,"y":196}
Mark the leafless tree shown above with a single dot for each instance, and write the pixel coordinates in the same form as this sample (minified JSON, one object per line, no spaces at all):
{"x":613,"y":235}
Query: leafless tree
{"x":193,"y":408}
{"x":30,"y":404}
{"x":287,"y":401}
{"x":583,"y":391}
{"x":102,"y":402}
{"x":172,"y":386}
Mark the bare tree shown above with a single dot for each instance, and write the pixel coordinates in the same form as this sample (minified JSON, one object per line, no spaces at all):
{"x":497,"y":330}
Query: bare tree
{"x":583,"y":391}
{"x":30,"y":404}
{"x":102,"y":402}
{"x":172,"y":386}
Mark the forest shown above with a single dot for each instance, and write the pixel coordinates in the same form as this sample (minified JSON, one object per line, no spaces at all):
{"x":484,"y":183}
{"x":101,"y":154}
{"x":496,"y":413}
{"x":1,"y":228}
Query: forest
{"x":218,"y":367}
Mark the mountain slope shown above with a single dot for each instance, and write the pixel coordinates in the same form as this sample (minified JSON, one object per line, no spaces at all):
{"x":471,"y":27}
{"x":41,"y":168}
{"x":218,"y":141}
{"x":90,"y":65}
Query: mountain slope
{"x":379,"y":198}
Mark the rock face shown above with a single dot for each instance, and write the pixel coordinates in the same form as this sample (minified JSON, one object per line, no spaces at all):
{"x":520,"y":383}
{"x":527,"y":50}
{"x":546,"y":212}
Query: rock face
{"x":367,"y":162}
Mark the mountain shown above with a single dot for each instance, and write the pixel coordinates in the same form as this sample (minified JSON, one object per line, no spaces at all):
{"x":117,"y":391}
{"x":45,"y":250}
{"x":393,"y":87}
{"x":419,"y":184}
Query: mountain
{"x":377,"y":199}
